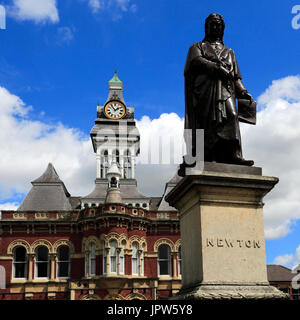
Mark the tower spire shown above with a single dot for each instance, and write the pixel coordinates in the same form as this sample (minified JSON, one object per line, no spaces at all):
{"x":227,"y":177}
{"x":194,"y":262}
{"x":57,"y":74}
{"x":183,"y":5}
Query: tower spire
{"x":115,"y":79}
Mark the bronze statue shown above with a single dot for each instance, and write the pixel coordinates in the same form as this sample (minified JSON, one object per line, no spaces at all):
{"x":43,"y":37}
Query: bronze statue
{"x":212,"y":85}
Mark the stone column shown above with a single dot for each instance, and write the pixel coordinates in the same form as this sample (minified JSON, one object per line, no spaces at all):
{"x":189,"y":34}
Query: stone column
{"x":30,"y":266}
{"x":222,"y":232}
{"x":86,"y":264}
{"x":174,"y":258}
{"x":52,"y":266}
{"x":118,"y":260}
{"x":107,"y":260}
{"x":139,"y":261}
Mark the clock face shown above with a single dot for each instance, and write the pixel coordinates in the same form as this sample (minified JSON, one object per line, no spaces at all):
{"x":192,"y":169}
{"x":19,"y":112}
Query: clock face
{"x":114,"y":110}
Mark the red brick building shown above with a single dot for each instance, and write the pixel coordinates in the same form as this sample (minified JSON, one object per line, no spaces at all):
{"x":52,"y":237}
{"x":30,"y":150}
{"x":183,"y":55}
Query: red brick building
{"x":114,"y":243}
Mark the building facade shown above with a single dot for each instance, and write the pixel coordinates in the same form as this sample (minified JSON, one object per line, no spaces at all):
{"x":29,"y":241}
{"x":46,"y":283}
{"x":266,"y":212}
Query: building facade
{"x":113,"y":243}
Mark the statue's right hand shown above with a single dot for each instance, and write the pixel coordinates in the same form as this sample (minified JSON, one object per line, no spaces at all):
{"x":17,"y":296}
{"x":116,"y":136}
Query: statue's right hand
{"x":223,"y":72}
{"x":213,"y":68}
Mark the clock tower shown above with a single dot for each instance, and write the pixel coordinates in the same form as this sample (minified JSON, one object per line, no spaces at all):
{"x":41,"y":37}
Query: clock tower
{"x":116,"y":139}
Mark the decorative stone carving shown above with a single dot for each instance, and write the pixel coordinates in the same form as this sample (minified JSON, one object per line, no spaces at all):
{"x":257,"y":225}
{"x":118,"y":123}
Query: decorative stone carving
{"x":17,"y":243}
{"x":42,"y":242}
{"x":164,"y":241}
{"x":134,"y":296}
{"x":65,"y":242}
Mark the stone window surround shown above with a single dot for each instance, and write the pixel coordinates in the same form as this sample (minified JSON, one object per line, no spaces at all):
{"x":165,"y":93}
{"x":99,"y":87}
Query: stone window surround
{"x":31,"y":256}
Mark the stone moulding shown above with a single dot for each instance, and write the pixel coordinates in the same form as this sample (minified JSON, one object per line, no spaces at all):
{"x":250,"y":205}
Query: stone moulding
{"x":231,"y":292}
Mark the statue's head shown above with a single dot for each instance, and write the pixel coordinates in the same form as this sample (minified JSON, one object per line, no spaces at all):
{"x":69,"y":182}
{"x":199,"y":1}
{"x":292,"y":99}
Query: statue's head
{"x":214,"y":27}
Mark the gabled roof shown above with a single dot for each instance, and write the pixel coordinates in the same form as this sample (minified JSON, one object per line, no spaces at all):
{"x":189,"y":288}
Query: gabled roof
{"x":48,"y":193}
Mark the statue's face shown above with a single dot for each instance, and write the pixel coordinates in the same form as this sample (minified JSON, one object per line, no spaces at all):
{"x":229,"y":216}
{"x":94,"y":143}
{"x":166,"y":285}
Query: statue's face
{"x":215,"y":28}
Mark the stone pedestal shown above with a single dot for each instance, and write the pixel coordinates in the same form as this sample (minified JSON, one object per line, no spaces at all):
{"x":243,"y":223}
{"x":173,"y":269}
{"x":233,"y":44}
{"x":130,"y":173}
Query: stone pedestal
{"x":222,"y":232}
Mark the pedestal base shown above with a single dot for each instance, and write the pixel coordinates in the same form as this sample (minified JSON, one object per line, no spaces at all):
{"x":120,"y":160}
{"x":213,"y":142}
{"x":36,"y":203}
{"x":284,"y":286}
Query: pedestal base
{"x":222,"y":232}
{"x":230,"y":292}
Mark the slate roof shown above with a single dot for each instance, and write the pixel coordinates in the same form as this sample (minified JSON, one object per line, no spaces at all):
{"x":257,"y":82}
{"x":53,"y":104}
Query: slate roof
{"x":279,"y":273}
{"x":48,"y":193}
{"x":154,"y":202}
{"x":164,"y":205}
{"x":128,"y":190}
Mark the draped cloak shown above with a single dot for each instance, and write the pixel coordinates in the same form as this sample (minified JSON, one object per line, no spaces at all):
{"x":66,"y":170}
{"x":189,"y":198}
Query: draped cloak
{"x":206,"y":94}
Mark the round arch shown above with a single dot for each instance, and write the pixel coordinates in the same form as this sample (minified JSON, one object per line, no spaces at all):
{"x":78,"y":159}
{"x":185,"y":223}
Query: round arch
{"x":17,"y":243}
{"x":65,"y":242}
{"x":90,"y":297}
{"x":88,"y":240}
{"x":135,"y":296}
{"x":42,"y":242}
{"x":161,"y":241}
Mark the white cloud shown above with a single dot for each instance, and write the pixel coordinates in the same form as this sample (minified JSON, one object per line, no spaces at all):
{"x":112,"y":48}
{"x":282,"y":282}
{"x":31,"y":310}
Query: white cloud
{"x":161,"y":151}
{"x":289,"y":260}
{"x":95,"y":5}
{"x":28,"y":146}
{"x":157,"y":136}
{"x":116,"y":7}
{"x":9,"y":206}
{"x":284,"y":260}
{"x":38,"y":11}
{"x":274,"y":144}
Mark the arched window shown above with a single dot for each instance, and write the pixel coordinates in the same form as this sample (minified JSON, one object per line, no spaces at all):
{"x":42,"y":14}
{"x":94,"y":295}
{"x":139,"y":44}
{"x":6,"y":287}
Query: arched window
{"x":122,"y":257}
{"x":104,"y":163}
{"x":63,"y":262}
{"x":179,"y":261}
{"x":164,"y":260}
{"x":113,"y":256}
{"x":135,"y":258}
{"x":127,"y":165}
{"x":42,"y":262}
{"x":92,"y":259}
{"x":20,"y":263}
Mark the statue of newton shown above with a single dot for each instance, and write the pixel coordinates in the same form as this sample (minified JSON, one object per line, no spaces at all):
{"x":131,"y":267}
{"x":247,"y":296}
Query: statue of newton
{"x":212,"y":85}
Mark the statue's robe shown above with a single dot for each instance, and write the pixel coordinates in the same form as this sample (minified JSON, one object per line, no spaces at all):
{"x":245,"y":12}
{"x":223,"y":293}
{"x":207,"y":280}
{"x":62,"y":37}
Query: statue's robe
{"x":210,"y":102}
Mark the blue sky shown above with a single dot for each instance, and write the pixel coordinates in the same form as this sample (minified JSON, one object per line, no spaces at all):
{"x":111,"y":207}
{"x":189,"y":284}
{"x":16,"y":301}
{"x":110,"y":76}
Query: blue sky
{"x":58,"y":59}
